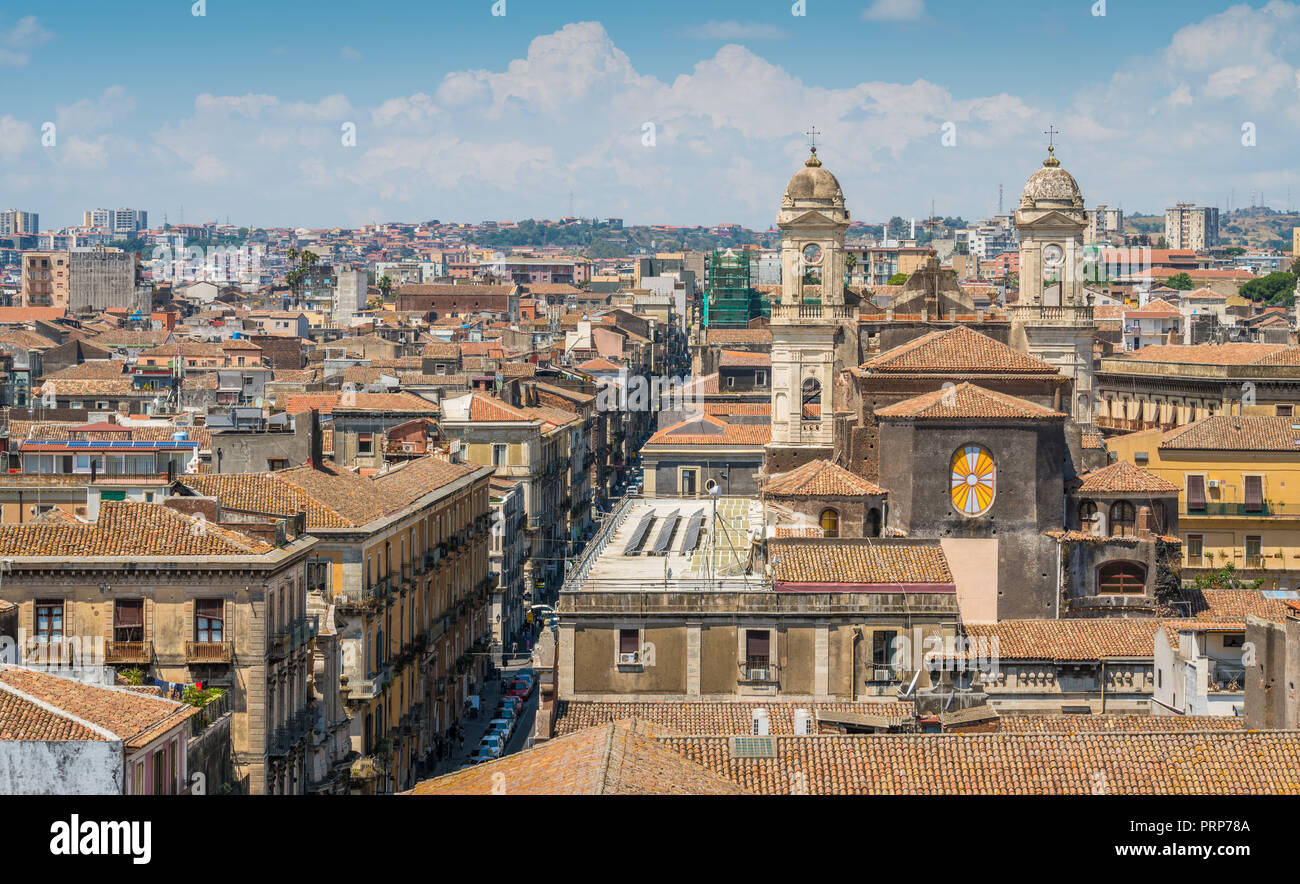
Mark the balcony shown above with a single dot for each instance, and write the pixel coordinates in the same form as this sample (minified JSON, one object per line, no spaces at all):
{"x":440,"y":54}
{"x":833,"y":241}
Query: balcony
{"x":294,"y":636}
{"x":812,"y":311}
{"x":209,"y":652}
{"x":1226,"y":677}
{"x":1265,"y":509}
{"x":371,"y":687}
{"x":139,"y":652}
{"x":758,"y":670}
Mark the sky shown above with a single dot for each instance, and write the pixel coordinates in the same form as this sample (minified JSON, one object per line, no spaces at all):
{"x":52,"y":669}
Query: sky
{"x":326,"y":113}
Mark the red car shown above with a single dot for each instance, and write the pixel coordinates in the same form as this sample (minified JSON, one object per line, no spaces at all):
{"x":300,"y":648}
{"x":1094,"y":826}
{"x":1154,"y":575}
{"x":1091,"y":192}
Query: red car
{"x":519,"y":688}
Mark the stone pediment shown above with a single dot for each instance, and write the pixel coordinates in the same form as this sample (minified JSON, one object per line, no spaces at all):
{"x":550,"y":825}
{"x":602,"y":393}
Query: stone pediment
{"x":808,"y":218}
{"x":1048,"y":218}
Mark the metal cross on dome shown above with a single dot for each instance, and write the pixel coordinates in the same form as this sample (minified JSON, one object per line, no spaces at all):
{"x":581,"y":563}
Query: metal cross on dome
{"x":812,"y":134}
{"x":1051,"y":132}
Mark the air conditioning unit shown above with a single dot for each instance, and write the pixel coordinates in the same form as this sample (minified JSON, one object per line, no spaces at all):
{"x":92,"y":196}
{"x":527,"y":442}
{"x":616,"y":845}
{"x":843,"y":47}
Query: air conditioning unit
{"x":630,"y":659}
{"x":880,"y":675}
{"x":1214,"y":483}
{"x":803,"y":722}
{"x":762,"y":724}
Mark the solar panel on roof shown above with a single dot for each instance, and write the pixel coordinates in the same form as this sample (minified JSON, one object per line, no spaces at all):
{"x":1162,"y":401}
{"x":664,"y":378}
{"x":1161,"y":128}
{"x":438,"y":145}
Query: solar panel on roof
{"x":638,"y":534}
{"x":665,"y":532}
{"x":692,"y":539}
{"x":753,"y":747}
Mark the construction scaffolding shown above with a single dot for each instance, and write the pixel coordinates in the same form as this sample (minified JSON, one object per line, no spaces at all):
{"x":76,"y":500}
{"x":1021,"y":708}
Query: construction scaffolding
{"x":730,"y":299}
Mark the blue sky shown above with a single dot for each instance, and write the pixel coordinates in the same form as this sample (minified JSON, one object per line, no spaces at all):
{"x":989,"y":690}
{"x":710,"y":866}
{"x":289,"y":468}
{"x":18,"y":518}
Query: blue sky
{"x":460,"y":114}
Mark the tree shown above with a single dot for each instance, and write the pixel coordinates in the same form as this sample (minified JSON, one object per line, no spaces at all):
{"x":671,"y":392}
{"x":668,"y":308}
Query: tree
{"x":1180,"y":281}
{"x":1224,"y":578}
{"x":385,"y":285}
{"x":1162,"y":243}
{"x":1276,"y":288}
{"x":898,"y":279}
{"x":1013,"y":280}
{"x":1295,"y":266}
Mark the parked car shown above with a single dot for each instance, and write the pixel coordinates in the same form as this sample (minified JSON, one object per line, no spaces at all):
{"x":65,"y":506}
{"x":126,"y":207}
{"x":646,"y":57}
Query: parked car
{"x":527,"y":675}
{"x":519,"y":688}
{"x":485,"y":752}
{"x":514,"y":704}
{"x":504,"y":726}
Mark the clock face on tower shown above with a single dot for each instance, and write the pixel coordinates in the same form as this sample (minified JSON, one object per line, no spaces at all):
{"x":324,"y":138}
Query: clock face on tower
{"x":812,"y":253}
{"x":1053,"y":254}
{"x":974,"y":479}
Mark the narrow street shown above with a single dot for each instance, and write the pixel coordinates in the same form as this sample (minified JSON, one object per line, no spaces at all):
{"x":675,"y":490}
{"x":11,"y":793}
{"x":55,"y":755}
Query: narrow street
{"x":475,"y":728}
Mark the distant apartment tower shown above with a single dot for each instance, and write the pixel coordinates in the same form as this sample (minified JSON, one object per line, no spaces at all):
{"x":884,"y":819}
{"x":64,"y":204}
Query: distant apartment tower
{"x":16,"y":221}
{"x":1295,"y":242}
{"x":350,"y":289}
{"x":115,"y":221}
{"x":410,"y":272}
{"x":1105,"y":225}
{"x":1192,"y":227}
{"x":45,"y":279}
{"x":100,"y":278}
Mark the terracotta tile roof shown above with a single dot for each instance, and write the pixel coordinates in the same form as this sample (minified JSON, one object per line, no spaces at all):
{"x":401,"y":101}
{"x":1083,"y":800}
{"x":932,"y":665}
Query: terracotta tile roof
{"x":1207,"y":354}
{"x":1225,"y":432}
{"x":128,"y":339}
{"x":442,"y":350}
{"x":957,"y":350}
{"x":861,"y":561}
{"x":1124,"y":477}
{"x":487,"y":408}
{"x":620,"y":758}
{"x":1066,"y":639}
{"x":710,"y":718}
{"x":60,"y":432}
{"x":967,"y":401}
{"x":1232,"y":604}
{"x":96,"y":368}
{"x":517,"y":369}
{"x":134,"y":718}
{"x":820,"y":478}
{"x":117,"y":386}
{"x":1156,"y":307}
{"x":1108,"y":723}
{"x":1214,"y":762}
{"x":799,"y":531}
{"x":1093,"y":441}
{"x":738,"y":336}
{"x":738,"y":408}
{"x":418,"y":476}
{"x":743,"y":359}
{"x":708,"y":430}
{"x":322,"y":402}
{"x":598,"y":364}
{"x":129,"y":529}
{"x":394,"y":402}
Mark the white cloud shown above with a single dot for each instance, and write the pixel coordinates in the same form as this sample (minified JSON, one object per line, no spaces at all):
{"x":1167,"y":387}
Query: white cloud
{"x":17,"y":42}
{"x":89,"y":114}
{"x":15,"y":137}
{"x":735,"y":30}
{"x":894,"y":10}
{"x":347,"y":53}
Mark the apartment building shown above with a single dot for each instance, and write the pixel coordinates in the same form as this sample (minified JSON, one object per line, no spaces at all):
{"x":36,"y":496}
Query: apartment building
{"x":182,"y":599}
{"x":400,"y":561}
{"x":46,"y":278}
{"x":1188,"y":226}
{"x":16,"y":221}
{"x":1239,"y":498}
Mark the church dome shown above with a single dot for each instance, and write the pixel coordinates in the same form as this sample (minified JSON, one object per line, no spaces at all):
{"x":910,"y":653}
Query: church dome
{"x":814,"y":182}
{"x":1052,"y":185}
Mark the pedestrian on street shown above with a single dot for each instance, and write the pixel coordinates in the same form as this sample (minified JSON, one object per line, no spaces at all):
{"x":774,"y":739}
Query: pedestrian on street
{"x":461,"y":738}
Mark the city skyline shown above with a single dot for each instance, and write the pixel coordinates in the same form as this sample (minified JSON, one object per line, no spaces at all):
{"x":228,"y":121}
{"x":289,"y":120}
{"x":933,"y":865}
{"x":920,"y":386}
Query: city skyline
{"x":534,"y":112}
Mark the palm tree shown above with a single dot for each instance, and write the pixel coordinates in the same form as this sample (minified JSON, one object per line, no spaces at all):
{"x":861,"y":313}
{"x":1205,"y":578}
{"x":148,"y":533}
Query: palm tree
{"x":385,"y":285}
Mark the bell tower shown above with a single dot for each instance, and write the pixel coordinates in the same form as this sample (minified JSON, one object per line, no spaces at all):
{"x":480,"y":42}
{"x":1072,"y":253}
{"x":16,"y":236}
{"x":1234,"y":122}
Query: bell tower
{"x":808,"y":323}
{"x":1052,"y":318}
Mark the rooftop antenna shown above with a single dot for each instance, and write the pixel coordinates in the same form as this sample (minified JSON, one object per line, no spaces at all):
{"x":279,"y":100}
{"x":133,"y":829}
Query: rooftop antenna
{"x":999,"y":199}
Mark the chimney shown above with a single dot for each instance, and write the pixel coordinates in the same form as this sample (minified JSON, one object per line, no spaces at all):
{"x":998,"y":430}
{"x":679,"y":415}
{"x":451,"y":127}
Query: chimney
{"x":317,"y":455}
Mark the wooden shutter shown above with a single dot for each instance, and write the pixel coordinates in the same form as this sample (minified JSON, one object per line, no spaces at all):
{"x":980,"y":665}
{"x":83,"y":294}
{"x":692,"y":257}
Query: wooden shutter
{"x":758,"y":642}
{"x":128,"y":613}
{"x":1254,"y":494}
{"x":1196,"y":492}
{"x":628,"y":641}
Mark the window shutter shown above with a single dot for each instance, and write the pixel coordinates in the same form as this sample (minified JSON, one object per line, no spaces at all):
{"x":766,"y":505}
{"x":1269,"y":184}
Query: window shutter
{"x":757,"y":642}
{"x":628,"y":641}
{"x":128,"y":612}
{"x":1254,"y":494}
{"x":1196,"y":492}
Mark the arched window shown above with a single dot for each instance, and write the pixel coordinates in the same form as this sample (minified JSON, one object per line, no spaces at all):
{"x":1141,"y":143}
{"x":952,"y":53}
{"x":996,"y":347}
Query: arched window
{"x":830,"y":523}
{"x":873,"y":522}
{"x":812,"y":399}
{"x":1121,"y":577}
{"x":1087,"y":509}
{"x":1122,"y":519}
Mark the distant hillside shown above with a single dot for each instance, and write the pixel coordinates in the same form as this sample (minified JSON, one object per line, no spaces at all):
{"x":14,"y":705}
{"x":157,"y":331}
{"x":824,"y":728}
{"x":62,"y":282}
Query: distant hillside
{"x":1258,"y":228}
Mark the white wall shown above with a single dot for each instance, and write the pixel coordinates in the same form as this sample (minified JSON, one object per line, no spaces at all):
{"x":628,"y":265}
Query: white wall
{"x":60,"y":767}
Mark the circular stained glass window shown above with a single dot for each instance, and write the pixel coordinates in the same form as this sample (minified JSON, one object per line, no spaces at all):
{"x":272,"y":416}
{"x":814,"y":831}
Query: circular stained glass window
{"x":974,"y":479}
